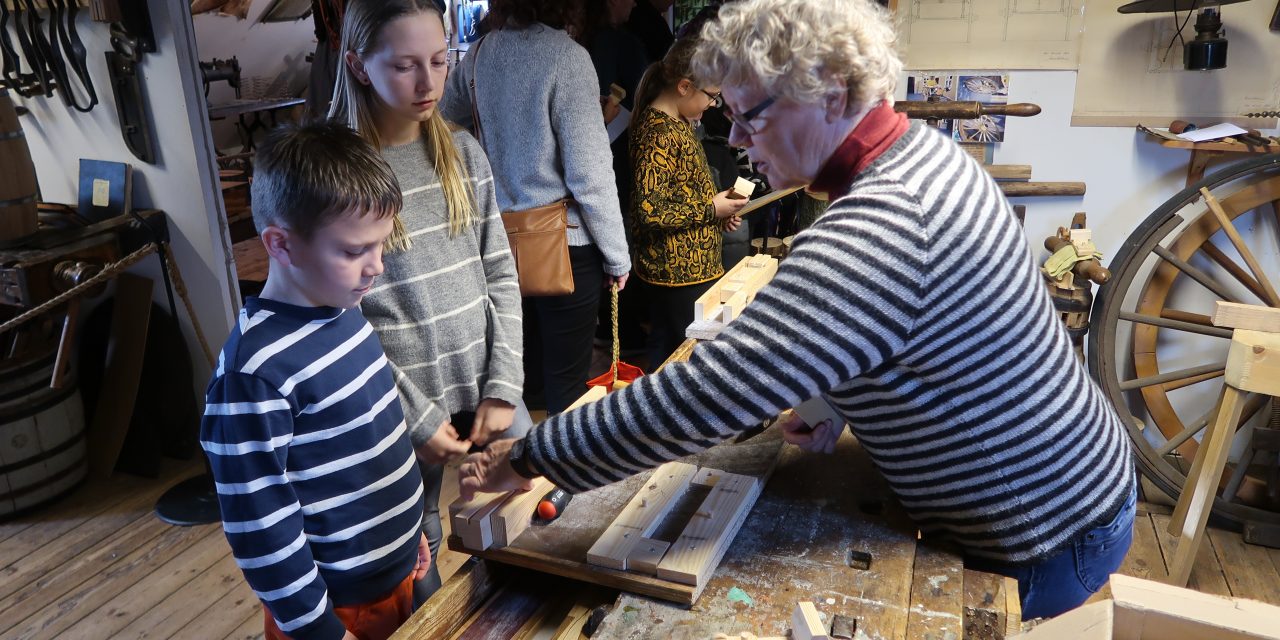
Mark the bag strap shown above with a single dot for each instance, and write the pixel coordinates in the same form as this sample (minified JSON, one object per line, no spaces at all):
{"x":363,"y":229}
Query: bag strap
{"x":475,"y":106}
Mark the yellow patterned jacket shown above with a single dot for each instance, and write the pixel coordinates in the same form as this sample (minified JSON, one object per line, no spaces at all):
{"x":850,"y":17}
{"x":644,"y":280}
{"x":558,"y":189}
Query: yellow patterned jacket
{"x":676,"y":237}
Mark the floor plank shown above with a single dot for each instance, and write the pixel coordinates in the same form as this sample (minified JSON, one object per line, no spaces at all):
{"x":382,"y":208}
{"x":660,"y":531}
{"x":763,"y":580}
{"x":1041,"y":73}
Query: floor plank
{"x":1206,"y":572}
{"x":250,"y":629}
{"x":134,"y":612}
{"x":1144,"y":559}
{"x":225,"y":616}
{"x":1247,"y":567}
{"x":50,"y":621}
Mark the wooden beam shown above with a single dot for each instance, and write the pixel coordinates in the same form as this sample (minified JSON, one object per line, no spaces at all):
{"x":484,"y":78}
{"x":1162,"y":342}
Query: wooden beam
{"x":1253,"y":362}
{"x":1023,"y":189}
{"x":1009,"y":171}
{"x":515,"y":514}
{"x":447,"y":609}
{"x":698,"y":550}
{"x":1246,"y":316}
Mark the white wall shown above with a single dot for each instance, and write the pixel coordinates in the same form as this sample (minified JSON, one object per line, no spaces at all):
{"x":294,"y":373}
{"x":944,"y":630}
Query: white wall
{"x":1127,"y":175}
{"x":182,"y":180}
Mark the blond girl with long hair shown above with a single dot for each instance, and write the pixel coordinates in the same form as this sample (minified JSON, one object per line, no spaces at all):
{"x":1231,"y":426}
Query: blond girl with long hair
{"x":448,"y":307}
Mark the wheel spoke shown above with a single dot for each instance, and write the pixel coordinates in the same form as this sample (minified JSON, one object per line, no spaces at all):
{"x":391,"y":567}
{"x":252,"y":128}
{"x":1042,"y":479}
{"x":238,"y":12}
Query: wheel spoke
{"x":1170,"y":386}
{"x":1251,"y":407}
{"x":1178,"y":325}
{"x":1195,"y":274}
{"x":1187,"y":316}
{"x":1271,"y":297}
{"x":1210,"y":249}
{"x":1172,"y":376}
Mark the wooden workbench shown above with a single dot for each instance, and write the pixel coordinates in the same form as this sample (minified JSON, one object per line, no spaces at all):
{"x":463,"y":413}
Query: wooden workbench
{"x":817,"y":516}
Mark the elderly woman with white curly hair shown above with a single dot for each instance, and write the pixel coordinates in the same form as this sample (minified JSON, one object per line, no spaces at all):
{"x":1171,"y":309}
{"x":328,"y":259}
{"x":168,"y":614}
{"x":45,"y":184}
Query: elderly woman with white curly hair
{"x":912,"y":306}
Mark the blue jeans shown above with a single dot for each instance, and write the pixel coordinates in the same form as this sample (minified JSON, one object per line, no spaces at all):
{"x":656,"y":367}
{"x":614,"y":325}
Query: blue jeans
{"x":1064,"y":581}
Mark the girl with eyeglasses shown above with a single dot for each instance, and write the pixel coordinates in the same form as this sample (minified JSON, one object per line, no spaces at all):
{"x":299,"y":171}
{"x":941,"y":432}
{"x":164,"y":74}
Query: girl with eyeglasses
{"x":676,"y":214}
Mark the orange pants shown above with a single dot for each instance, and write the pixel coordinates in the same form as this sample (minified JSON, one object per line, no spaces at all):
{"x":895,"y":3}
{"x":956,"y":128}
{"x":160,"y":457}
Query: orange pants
{"x":375,"y":620}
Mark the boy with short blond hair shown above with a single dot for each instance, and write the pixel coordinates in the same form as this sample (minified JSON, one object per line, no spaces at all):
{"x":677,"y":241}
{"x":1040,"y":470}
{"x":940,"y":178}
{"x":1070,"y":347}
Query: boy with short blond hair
{"x":319,"y":488}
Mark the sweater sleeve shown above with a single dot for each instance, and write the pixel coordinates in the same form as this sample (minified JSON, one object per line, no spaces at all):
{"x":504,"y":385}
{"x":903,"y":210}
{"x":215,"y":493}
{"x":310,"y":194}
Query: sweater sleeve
{"x":245,"y":432}
{"x":842,"y":304}
{"x":506,"y":341}
{"x":578,"y":125}
{"x":663,"y":168}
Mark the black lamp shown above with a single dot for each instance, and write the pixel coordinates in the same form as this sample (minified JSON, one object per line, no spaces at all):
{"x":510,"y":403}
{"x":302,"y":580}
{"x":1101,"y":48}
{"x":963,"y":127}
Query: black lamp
{"x":1208,"y":51}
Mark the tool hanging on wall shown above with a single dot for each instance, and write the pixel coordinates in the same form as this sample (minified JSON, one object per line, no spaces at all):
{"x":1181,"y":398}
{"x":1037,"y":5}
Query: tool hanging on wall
{"x":131,"y":36}
{"x":63,"y":21}
{"x":54,"y":56}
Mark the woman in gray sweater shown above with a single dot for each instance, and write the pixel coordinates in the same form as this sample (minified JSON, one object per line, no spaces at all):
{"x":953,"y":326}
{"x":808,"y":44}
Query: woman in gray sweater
{"x":536,"y":97}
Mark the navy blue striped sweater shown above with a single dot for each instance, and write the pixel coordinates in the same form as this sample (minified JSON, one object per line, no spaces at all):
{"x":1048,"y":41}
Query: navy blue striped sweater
{"x":913,"y":303}
{"x":320,"y":492}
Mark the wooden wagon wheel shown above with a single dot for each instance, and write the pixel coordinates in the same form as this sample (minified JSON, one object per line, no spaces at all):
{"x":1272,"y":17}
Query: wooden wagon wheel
{"x":1154,"y":350}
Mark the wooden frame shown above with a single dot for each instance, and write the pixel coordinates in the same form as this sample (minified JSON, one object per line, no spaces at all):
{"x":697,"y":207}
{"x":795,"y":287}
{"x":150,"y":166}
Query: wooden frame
{"x":730,"y":295}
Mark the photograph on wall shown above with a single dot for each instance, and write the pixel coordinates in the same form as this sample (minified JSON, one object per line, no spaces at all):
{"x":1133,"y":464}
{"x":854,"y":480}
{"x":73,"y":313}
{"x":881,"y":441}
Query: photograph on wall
{"x":988,"y":89}
{"x":928,"y":86}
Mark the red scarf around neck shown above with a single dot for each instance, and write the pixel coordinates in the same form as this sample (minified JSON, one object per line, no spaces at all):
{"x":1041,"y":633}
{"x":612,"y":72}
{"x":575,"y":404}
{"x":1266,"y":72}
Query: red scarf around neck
{"x":878,"y":130}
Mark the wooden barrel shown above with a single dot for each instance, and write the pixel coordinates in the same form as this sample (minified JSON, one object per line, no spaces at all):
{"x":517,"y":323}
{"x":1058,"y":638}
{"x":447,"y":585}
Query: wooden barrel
{"x":42,"y":441}
{"x":770,"y":246}
{"x":18,"y":216}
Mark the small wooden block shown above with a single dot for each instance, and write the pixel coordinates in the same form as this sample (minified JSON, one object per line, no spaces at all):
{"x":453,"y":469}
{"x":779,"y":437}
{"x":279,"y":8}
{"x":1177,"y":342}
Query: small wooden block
{"x":806,"y":624}
{"x":1253,"y":362}
{"x":744,"y":187}
{"x":816,"y":409}
{"x":733,"y":307}
{"x":642,"y":515}
{"x":705,"y":329}
{"x":617,"y":94}
{"x":707,"y":477}
{"x":471,"y":520}
{"x":1246,"y":316}
{"x":729,"y":289}
{"x":760,"y":261}
{"x":515,"y":514}
{"x":646,"y":555}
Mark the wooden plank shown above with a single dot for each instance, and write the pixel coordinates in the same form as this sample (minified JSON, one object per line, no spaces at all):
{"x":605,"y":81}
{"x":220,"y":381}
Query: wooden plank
{"x":1206,"y":572}
{"x":763,"y":201}
{"x":937,"y":596}
{"x":470,"y":519}
{"x":250,"y":629}
{"x":706,"y":304}
{"x":1246,"y":316}
{"x":698,"y":550}
{"x":1192,"y":512}
{"x":460,"y":596}
{"x":130,"y":316}
{"x":642,"y":515}
{"x":986,"y":611}
{"x":130,"y":612}
{"x":50,"y":621}
{"x":1248,"y":568}
{"x":806,"y":624}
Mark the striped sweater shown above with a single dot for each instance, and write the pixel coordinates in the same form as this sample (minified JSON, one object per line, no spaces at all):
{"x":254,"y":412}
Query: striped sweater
{"x":914,"y":305}
{"x":319,"y":488}
{"x":448,"y":309}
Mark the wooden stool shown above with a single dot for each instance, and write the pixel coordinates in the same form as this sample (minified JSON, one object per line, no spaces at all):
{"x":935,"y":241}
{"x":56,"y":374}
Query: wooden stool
{"x":1253,"y":366}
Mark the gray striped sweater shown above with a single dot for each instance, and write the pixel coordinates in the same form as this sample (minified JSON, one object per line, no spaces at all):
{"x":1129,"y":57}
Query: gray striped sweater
{"x":913,"y":303}
{"x":448,"y":309}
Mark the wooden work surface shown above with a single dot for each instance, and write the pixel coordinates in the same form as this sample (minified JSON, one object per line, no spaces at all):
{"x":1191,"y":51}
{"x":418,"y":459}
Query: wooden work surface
{"x":817,"y":516}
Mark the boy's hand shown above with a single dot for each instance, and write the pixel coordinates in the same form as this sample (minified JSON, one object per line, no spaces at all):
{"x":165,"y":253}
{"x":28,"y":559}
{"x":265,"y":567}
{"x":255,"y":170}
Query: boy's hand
{"x":444,"y":446}
{"x":490,"y":471}
{"x":493,"y":416}
{"x":424,"y":558}
{"x":819,"y":439}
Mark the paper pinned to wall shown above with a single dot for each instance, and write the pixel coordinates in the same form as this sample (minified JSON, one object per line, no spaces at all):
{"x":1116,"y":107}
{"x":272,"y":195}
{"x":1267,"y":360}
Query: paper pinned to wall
{"x":990,"y":34}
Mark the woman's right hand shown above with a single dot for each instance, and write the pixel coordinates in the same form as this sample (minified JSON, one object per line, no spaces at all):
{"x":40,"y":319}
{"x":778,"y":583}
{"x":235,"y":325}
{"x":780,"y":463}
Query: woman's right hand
{"x":444,"y":446}
{"x":727,"y":205}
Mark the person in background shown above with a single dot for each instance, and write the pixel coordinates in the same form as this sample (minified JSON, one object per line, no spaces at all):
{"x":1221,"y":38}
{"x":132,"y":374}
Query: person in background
{"x":448,"y":308}
{"x":676,"y":213}
{"x":648,"y":22}
{"x":303,"y":405}
{"x":546,"y":139}
{"x":619,"y":58}
{"x":969,"y":400}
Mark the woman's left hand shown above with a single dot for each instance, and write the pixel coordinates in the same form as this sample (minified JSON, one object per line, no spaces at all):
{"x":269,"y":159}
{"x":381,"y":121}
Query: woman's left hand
{"x":730,"y":224}
{"x":621,"y":281}
{"x":821,"y":438}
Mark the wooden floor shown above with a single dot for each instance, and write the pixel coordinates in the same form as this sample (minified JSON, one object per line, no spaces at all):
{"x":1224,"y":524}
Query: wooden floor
{"x":99,"y":564}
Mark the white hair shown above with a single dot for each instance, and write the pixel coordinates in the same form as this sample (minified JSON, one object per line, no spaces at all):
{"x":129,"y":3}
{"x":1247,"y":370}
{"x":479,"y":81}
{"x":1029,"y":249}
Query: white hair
{"x":800,"y":49}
